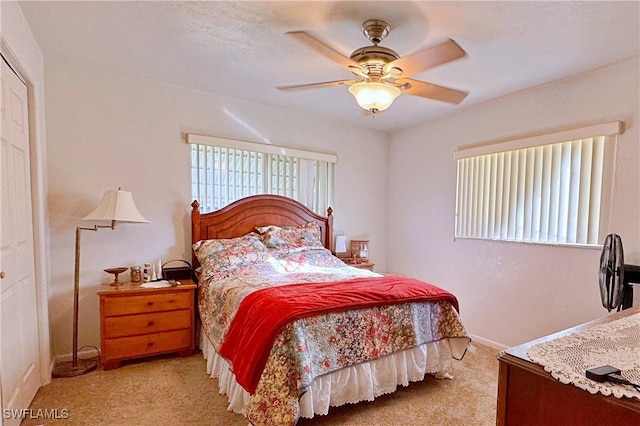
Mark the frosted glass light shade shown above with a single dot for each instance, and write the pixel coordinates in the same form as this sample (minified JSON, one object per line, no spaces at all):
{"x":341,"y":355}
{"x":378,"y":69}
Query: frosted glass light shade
{"x":117,"y":205}
{"x":373,"y":96}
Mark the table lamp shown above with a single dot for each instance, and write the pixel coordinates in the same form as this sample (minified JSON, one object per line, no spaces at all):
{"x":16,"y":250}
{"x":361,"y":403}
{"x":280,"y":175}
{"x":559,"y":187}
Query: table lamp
{"x":115,"y":206}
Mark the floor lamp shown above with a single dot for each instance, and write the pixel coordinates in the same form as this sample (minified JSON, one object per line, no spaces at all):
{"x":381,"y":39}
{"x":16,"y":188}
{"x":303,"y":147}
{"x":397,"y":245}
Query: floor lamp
{"x":116,"y":206}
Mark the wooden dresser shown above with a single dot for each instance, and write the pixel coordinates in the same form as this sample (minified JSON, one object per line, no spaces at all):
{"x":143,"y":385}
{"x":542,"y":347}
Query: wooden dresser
{"x":528,"y":395}
{"x":137,"y":322}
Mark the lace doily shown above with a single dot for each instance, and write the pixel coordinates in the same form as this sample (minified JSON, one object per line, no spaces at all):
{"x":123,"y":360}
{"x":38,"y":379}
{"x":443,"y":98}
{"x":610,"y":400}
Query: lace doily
{"x":616,"y":343}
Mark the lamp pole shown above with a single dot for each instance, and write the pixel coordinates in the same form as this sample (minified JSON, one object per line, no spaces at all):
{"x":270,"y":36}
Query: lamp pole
{"x":75,"y":368}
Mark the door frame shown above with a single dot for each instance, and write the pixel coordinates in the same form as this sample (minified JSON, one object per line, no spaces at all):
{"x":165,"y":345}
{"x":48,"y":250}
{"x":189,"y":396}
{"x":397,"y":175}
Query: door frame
{"x":37,"y":155}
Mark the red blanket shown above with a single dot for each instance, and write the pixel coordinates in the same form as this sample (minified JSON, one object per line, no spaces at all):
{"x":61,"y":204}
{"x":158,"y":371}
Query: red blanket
{"x":263,"y":313}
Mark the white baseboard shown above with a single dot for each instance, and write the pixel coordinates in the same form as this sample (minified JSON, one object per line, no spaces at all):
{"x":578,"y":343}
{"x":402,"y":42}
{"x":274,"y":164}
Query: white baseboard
{"x":488,"y":342}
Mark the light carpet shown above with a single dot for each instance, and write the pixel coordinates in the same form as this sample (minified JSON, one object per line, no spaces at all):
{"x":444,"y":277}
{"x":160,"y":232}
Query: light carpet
{"x":177,"y":391}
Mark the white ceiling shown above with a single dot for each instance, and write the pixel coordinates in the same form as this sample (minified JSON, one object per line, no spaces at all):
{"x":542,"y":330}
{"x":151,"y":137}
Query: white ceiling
{"x":239,"y":49}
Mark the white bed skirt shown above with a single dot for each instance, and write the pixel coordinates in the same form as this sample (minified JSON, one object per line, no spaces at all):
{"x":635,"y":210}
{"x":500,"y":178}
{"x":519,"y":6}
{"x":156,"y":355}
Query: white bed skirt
{"x":362,"y":382}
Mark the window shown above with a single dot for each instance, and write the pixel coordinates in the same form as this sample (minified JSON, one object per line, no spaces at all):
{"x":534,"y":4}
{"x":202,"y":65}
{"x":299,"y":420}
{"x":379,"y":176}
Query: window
{"x":549,"y":189}
{"x":225,"y":170}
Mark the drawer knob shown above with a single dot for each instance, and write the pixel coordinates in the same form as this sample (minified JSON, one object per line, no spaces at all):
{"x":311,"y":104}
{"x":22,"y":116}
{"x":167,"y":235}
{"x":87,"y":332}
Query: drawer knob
{"x":150,"y":344}
{"x":150,"y":303}
{"x":150,"y":323}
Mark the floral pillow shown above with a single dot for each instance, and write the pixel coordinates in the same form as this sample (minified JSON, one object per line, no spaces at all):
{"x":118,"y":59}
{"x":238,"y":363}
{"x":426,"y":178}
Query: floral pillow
{"x":310,"y":258}
{"x":226,"y":257}
{"x":290,"y":239}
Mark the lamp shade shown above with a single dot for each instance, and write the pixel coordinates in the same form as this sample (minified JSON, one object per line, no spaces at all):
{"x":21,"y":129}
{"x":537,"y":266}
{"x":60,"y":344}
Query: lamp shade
{"x":117,"y":205}
{"x":374,"y":96}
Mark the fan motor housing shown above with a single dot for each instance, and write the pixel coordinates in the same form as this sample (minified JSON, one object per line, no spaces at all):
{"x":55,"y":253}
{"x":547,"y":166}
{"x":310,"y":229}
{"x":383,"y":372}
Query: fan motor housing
{"x":373,"y":58}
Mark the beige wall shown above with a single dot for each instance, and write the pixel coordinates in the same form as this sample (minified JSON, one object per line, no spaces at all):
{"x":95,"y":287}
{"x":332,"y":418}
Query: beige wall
{"x":512,"y":292}
{"x":107,"y":130}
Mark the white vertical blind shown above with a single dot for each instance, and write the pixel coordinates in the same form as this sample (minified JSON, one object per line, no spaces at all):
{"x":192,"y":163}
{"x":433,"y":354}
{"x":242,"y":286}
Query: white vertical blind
{"x":548,"y":193}
{"x":221,"y":174}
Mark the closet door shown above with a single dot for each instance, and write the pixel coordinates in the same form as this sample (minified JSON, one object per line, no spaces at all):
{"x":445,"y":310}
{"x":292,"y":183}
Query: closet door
{"x":19,"y":347}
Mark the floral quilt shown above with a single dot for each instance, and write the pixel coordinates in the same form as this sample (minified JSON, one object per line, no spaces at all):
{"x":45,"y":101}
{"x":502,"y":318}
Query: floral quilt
{"x":313,"y":346}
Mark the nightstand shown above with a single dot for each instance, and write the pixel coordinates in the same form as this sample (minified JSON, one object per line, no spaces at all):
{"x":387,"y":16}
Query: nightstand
{"x":364,"y":265}
{"x":138,"y":322}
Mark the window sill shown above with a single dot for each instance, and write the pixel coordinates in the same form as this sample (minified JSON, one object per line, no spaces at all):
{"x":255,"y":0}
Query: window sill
{"x":539,"y":243}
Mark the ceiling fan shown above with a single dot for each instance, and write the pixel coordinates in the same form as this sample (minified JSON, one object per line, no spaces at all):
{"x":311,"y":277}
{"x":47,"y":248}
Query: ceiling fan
{"x":381,"y":74}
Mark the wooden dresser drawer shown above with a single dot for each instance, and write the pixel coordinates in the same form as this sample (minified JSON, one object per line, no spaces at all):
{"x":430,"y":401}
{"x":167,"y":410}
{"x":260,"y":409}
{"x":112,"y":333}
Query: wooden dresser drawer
{"x":146,"y":344}
{"x":147,"y":303}
{"x":131,"y":325}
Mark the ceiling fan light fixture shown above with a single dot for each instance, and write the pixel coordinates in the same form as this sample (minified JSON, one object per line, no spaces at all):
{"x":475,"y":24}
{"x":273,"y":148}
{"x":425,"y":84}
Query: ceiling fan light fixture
{"x":373,"y":96}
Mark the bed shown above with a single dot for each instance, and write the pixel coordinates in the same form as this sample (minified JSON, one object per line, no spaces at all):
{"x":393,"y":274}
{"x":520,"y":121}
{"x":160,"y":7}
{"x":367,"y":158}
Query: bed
{"x":289,"y":330}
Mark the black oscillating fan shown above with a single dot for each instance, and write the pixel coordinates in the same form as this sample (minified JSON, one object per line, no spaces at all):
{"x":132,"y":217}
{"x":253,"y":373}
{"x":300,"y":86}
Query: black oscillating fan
{"x":615,"y":277}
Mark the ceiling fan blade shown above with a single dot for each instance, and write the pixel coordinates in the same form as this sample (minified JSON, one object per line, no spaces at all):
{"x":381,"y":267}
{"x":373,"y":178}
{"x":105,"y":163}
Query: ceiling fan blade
{"x":316,"y":85}
{"x":323,"y":49}
{"x":430,"y":57}
{"x":432,"y":91}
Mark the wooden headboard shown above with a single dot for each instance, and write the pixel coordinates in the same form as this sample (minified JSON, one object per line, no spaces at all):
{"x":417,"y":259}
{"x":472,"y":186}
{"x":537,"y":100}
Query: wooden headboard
{"x":243,"y":216}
